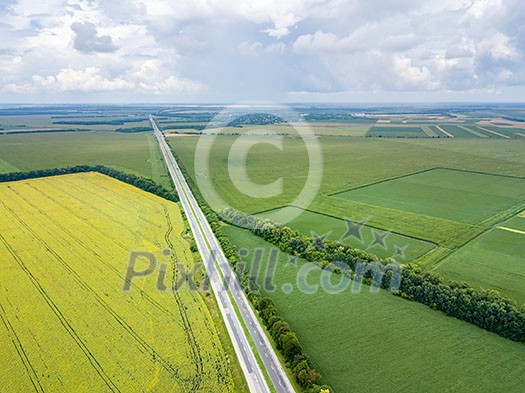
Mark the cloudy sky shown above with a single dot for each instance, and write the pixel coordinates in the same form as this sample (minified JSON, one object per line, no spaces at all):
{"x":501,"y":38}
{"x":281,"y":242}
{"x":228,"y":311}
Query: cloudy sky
{"x":261,"y":50}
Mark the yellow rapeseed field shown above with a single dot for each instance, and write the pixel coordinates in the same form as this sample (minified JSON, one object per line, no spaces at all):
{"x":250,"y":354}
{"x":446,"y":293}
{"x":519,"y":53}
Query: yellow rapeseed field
{"x":66,"y":325}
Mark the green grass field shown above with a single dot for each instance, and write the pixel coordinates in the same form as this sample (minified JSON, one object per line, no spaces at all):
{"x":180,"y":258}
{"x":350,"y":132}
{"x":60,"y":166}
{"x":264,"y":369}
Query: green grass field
{"x":397,"y":132}
{"x":454,"y":195}
{"x":312,"y":222}
{"x":27,"y":123}
{"x":463,"y":131}
{"x":374,"y":349}
{"x":353,"y":130}
{"x":354,"y":162}
{"x":378,"y":342}
{"x":135,"y":153}
{"x":493,"y":260}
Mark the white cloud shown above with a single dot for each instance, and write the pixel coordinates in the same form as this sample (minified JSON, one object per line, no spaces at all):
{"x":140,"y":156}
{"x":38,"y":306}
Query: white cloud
{"x":152,"y":76}
{"x":276,"y":47}
{"x":196,"y":48}
{"x":148,"y":78}
{"x":87,"y":80}
{"x":256,"y":48}
{"x":480,"y":8}
{"x":282,"y":24}
{"x":320,"y":42}
{"x":410,"y":76}
{"x":499,"y":47}
{"x":249,"y":48}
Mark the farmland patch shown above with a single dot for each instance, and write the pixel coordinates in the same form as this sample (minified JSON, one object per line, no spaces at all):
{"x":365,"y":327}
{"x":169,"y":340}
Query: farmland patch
{"x":65,"y":322}
{"x":493,"y":260}
{"x":366,"y":342}
{"x":455,"y":195}
{"x":380,"y":242}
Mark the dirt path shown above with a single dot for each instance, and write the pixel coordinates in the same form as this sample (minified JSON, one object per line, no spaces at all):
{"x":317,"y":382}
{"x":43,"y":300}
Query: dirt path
{"x":444,"y":132}
{"x":512,"y":230}
{"x":494,"y":132}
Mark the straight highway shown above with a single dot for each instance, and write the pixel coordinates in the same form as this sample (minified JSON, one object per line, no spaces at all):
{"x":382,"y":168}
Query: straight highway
{"x":224,"y":282}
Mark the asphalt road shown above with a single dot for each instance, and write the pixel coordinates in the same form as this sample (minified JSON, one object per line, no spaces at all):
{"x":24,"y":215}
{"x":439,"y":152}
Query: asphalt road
{"x":223,"y":280}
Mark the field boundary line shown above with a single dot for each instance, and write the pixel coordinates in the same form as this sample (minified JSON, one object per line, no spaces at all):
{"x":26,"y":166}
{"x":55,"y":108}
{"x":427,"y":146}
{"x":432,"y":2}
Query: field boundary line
{"x":342,"y":219}
{"x":507,"y":216}
{"x":473,"y":132}
{"x":494,"y":132}
{"x":430,"y":265}
{"x":333,"y":194}
{"x":503,"y":215}
{"x":482,"y":173}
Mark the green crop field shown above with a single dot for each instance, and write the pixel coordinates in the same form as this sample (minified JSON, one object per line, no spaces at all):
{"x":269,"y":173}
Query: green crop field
{"x":275,"y":129}
{"x":399,"y":247}
{"x":397,"y":132}
{"x":366,"y":342}
{"x":28,"y":123}
{"x":461,"y":131}
{"x":493,"y":260}
{"x":349,"y":162}
{"x":451,"y":204}
{"x":450,"y":194}
{"x":354,"y":162}
{"x":135,"y":153}
{"x":443,"y":207}
{"x":66,"y":323}
{"x":510,"y":132}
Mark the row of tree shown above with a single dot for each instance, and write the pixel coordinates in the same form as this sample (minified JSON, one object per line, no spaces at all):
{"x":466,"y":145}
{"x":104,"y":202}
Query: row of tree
{"x":285,"y":339}
{"x":137,"y":181}
{"x":286,"y":342}
{"x":487,"y":309}
{"x":129,"y":130}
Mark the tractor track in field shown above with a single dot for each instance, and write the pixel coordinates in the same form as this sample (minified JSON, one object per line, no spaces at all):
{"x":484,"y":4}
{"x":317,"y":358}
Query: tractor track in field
{"x":98,"y":210}
{"x":107,"y":190}
{"x":171,"y":369}
{"x":190,"y":336}
{"x":33,"y":375}
{"x":61,"y":317}
{"x":80,"y":242}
